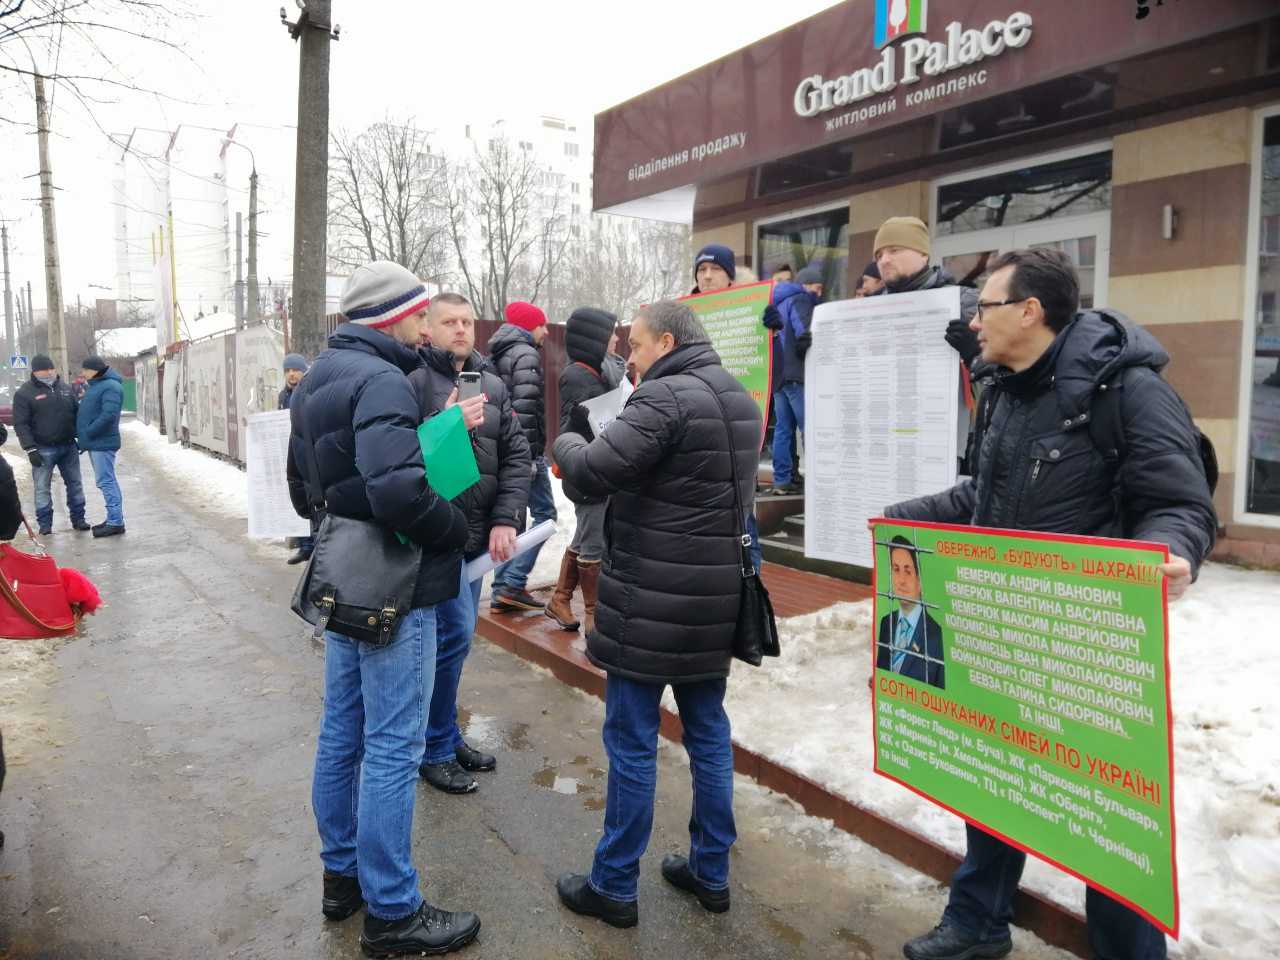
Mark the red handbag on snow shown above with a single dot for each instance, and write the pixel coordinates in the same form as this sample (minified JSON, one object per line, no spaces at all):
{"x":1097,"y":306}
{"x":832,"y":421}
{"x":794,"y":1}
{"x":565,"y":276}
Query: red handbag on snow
{"x":38,"y":600}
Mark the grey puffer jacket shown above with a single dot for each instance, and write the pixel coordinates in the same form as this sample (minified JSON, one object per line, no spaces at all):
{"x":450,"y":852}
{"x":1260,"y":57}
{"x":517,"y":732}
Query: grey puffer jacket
{"x":1040,"y":468}
{"x":518,"y":361}
{"x":672,"y":577}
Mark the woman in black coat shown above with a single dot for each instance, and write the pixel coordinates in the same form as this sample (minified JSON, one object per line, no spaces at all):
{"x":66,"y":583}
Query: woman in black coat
{"x":587,"y":337}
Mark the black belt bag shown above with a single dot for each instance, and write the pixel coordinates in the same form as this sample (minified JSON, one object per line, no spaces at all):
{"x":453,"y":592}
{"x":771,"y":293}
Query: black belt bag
{"x":360,"y":579}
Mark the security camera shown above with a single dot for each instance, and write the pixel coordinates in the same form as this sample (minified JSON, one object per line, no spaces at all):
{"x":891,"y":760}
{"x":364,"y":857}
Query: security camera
{"x":337,"y":31}
{"x":284,"y":15}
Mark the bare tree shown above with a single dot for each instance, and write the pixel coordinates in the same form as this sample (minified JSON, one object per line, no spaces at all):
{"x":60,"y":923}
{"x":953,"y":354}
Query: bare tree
{"x":387,"y":200}
{"x":508,"y":224}
{"x":621,"y":264}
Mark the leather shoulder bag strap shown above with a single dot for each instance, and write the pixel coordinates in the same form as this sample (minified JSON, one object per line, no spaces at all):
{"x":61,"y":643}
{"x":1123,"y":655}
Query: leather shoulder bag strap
{"x":311,"y":473}
{"x":744,"y":539}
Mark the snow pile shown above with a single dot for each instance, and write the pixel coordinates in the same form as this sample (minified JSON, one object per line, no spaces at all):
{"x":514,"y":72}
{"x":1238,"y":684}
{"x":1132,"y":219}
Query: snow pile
{"x":214,"y":484}
{"x":1226,"y":743}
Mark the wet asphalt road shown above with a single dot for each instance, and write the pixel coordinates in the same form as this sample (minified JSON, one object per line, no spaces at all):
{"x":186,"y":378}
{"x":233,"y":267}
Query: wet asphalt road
{"x":160,"y":808}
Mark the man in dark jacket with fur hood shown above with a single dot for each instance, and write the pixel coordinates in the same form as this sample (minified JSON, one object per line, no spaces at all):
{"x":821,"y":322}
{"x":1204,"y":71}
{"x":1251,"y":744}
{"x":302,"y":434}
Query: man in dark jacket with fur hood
{"x":355,"y":443}
{"x":588,"y":336}
{"x":494,"y":507}
{"x":1078,"y":434}
{"x":670,"y":591}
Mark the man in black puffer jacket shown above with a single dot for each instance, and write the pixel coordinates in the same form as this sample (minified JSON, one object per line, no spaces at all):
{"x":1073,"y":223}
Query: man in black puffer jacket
{"x":515,"y":353}
{"x":355,"y":422}
{"x":670,"y":591}
{"x":494,"y":507}
{"x":1044,"y":464}
{"x":588,"y":336}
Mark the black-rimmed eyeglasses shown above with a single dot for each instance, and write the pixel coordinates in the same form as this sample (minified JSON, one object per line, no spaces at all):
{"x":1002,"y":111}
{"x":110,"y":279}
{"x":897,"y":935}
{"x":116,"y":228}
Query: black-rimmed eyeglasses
{"x":991,"y":304}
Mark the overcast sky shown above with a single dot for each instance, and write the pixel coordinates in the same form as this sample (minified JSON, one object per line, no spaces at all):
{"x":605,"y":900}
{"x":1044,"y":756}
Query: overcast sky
{"x":437,"y":62}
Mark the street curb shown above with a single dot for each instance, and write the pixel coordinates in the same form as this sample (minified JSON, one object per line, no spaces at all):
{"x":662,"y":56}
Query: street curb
{"x":1050,"y":922}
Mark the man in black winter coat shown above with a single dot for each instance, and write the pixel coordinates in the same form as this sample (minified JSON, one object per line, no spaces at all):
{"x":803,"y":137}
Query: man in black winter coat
{"x":44,"y":417}
{"x":670,"y":590}
{"x":902,"y":258}
{"x":494,"y":507}
{"x":515,"y":352}
{"x":588,"y":336}
{"x":1043,"y":465}
{"x":355,"y":442}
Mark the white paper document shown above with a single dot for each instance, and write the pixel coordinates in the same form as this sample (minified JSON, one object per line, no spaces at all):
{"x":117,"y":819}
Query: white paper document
{"x":881,"y":408}
{"x":271,"y":513}
{"x":606,"y":408}
{"x":482,"y":564}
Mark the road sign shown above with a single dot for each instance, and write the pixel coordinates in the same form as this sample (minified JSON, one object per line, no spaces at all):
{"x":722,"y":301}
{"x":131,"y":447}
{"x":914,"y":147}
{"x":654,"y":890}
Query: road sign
{"x":19,"y":362}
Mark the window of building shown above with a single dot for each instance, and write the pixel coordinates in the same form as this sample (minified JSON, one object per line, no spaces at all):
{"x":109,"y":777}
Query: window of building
{"x":570,"y":149}
{"x":1032,"y":108}
{"x":573,"y":187}
{"x":816,"y":239}
{"x":1067,"y":188}
{"x":1262,"y":480}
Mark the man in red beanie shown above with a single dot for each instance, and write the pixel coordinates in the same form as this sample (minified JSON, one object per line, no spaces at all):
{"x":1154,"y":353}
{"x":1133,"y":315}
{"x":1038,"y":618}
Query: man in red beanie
{"x":514,"y":352}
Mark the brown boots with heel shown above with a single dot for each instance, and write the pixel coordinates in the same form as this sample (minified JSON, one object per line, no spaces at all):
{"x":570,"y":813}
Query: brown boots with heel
{"x":575,"y":573}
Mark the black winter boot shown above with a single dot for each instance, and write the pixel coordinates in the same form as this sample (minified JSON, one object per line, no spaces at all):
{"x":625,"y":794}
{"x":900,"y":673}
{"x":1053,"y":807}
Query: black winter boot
{"x":429,"y":932}
{"x":946,"y":941}
{"x":576,"y":894}
{"x":342,"y":896}
{"x":675,"y":870}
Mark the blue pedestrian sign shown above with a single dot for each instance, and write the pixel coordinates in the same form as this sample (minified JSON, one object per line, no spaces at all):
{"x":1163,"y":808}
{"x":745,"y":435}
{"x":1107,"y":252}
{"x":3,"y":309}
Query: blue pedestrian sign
{"x":18,"y":362}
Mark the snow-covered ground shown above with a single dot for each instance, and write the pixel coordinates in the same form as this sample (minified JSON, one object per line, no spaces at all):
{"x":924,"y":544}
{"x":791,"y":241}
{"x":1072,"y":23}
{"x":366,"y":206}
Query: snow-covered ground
{"x":810,"y":710}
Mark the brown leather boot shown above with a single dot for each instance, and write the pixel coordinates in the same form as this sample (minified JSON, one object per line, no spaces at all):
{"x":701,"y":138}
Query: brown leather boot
{"x":589,"y":578}
{"x":560,"y":608}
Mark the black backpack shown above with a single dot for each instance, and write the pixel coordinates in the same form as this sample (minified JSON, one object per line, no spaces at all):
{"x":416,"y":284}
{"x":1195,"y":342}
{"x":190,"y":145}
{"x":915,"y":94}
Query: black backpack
{"x":1106,"y":429}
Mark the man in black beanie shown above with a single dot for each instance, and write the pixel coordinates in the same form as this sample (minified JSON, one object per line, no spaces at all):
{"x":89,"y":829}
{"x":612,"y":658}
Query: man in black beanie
{"x":44,"y":416}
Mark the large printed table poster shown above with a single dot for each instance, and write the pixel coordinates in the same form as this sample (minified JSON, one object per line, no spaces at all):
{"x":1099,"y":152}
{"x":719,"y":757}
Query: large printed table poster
{"x":882,"y":401}
{"x":271,"y":513}
{"x":732,"y":320}
{"x":1022,"y":681}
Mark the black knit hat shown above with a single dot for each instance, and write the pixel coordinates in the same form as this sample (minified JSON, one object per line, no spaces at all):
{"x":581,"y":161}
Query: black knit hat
{"x":94,"y":363}
{"x":41,"y":361}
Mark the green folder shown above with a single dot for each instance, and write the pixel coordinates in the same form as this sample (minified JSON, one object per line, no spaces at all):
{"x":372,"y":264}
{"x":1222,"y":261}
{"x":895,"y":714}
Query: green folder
{"x":447,"y":454}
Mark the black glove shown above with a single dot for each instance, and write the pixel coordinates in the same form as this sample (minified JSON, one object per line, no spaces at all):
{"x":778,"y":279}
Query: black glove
{"x":772,"y":319}
{"x":803,"y":343}
{"x":580,"y":423}
{"x":963,"y":340}
{"x":35,"y":458}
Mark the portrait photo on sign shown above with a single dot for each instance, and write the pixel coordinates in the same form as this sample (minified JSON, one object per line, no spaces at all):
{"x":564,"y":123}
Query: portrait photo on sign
{"x":908,"y":639}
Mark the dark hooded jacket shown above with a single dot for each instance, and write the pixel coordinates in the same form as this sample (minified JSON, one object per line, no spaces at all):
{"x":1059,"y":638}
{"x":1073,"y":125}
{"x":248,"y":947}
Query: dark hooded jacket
{"x":586,"y":342}
{"x":502,"y":453}
{"x":98,"y":416}
{"x":791,"y":342}
{"x":935,"y":278}
{"x":10,"y":504}
{"x":1040,"y":466}
{"x":518,"y":361}
{"x":362,"y":416}
{"x":671,"y":583}
{"x":45,"y":416}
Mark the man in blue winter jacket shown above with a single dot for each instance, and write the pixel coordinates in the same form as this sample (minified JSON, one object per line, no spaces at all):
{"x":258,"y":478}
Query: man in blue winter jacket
{"x":790,"y":321}
{"x":98,"y":434}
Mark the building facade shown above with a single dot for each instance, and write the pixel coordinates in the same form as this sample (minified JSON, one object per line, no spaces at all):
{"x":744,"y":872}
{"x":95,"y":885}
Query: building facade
{"x":1142,"y":137}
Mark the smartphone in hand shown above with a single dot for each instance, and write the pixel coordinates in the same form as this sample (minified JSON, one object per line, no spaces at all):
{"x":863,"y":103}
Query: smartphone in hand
{"x":468,"y":385}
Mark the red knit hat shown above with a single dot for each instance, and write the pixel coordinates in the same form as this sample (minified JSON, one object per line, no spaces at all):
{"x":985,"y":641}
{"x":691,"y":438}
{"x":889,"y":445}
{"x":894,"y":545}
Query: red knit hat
{"x":525,"y":315}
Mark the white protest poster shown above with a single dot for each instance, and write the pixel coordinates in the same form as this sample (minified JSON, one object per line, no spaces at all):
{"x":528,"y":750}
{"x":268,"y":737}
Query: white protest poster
{"x":271,"y":513}
{"x":881,"y":404}
{"x":606,"y":408}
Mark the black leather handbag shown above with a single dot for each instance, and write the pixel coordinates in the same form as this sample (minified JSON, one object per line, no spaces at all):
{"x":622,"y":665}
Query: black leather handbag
{"x":756,"y":634}
{"x":360,"y":579}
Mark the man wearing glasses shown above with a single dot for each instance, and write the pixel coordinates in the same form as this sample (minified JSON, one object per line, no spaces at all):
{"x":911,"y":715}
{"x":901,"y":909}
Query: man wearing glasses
{"x":1042,"y":464}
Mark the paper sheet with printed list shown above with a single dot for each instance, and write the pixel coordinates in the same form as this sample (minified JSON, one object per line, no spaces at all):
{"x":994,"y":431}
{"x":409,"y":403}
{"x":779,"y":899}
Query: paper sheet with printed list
{"x":271,"y":513}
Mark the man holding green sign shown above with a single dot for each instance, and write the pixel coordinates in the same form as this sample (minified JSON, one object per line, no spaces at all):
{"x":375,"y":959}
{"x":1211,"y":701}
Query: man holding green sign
{"x":1077,"y":433}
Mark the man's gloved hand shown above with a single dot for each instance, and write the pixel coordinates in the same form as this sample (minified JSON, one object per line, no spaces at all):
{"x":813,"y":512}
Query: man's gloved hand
{"x":772,"y":318}
{"x":803,"y":343}
{"x":580,"y":423}
{"x":963,"y":340}
{"x":35,"y":458}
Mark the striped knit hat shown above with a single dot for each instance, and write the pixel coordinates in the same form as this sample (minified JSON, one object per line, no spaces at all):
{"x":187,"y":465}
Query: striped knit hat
{"x":381,"y":293}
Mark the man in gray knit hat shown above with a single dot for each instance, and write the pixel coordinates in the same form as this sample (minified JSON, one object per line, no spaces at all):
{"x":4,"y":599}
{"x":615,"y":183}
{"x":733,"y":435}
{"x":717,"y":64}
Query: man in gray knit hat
{"x":355,"y":420}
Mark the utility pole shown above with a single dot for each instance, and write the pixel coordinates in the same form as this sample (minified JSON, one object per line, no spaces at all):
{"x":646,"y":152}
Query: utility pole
{"x":239,"y":270}
{"x":52,"y":270}
{"x":307,"y":318}
{"x":31,"y":314}
{"x":254,"y":315}
{"x":8,"y":308}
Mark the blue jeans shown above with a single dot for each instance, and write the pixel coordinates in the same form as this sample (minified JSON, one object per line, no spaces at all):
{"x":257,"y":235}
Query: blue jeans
{"x":455,"y":624}
{"x":789,"y":404}
{"x":367,"y":758}
{"x":104,"y":473}
{"x":981,"y":903}
{"x":66,"y":457}
{"x":514,"y":574}
{"x":753,"y":531}
{"x":631,"y":740}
